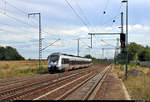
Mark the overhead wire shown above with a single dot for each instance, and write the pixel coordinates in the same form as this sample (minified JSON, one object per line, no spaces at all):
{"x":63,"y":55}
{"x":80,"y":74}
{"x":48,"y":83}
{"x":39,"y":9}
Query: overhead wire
{"x":80,"y":18}
{"x":83,"y":13}
{"x":16,"y":19}
{"x":114,"y":17}
{"x":107,"y":43}
{"x":97,"y":39}
{"x":86,"y":24}
{"x":85,"y":43}
{"x":84,"y":16}
{"x":14,"y":6}
{"x":20,"y":10}
{"x":103,"y":12}
{"x":23,"y":12}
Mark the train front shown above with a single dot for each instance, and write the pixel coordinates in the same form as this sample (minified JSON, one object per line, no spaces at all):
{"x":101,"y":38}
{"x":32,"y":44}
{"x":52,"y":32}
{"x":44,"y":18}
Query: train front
{"x":53,"y":64}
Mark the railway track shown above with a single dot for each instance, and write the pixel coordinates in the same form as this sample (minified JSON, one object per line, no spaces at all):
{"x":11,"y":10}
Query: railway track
{"x":10,"y":81}
{"x":12,"y":85}
{"x":38,"y":90}
{"x":87,"y":89}
{"x":83,"y":90}
{"x":16,"y":92}
{"x":4,"y":83}
{"x":16,"y":82}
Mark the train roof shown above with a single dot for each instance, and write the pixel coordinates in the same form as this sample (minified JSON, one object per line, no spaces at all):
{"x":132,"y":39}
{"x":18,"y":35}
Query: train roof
{"x":67,"y":55}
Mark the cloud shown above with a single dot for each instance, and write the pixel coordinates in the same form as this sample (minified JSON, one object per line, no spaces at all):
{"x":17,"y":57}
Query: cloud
{"x":9,"y":33}
{"x":139,"y":27}
{"x":59,"y":21}
{"x":75,"y":31}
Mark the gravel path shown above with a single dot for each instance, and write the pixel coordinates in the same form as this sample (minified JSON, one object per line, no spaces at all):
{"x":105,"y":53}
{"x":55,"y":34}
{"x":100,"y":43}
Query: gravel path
{"x":111,"y":88}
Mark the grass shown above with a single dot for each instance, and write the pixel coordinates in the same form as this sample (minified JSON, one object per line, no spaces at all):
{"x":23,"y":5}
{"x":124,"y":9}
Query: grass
{"x":20,"y":68}
{"x":10,"y":69}
{"x":137,"y":86}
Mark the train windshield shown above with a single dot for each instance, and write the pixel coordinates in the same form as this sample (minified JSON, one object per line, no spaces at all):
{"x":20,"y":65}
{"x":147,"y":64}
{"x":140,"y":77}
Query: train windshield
{"x":54,"y":58}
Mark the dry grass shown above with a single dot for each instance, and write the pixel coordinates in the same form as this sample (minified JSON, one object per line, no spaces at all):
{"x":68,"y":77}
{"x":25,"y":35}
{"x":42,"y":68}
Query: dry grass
{"x":19,"y":68}
{"x":137,"y":86}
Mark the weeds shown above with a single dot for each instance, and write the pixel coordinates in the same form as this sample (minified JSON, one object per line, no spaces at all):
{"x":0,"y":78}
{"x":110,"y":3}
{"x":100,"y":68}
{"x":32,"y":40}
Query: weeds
{"x":20,"y":68}
{"x":137,"y":86}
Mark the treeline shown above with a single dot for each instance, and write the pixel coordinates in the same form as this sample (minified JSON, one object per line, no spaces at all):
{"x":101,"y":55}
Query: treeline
{"x":136,"y":52}
{"x":96,"y":61}
{"x":9,"y":53}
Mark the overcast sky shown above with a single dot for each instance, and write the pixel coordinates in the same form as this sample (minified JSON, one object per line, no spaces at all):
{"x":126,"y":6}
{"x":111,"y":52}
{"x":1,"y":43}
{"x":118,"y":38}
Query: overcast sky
{"x":60,"y":21}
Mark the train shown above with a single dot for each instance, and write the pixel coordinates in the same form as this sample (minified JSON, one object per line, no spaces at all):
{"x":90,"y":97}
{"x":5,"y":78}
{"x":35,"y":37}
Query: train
{"x":62,"y":62}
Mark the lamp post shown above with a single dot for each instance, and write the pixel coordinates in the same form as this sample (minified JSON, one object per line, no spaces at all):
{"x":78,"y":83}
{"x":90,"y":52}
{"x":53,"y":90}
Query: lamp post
{"x":126,"y":1}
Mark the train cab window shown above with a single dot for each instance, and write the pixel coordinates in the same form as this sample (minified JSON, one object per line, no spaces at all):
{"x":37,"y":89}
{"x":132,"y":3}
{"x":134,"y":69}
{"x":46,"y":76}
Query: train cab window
{"x":53,"y":58}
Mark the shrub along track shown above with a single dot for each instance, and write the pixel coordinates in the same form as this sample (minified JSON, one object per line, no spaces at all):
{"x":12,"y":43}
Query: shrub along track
{"x":41,"y":83}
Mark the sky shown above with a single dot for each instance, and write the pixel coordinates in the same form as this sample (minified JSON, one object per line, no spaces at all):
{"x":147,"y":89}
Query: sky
{"x":70,"y":22}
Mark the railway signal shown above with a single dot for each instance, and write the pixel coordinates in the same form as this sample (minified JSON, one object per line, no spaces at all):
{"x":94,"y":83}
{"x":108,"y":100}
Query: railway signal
{"x":122,"y":40}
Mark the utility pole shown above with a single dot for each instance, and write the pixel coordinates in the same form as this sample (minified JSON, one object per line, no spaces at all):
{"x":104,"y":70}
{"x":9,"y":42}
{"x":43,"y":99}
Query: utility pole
{"x":126,"y":1}
{"x":91,"y":41}
{"x":102,"y":53}
{"x":121,"y":22}
{"x":78,"y":46}
{"x":40,"y":38}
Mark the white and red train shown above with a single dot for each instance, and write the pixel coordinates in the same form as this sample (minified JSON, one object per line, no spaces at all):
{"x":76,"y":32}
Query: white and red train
{"x":62,"y":62}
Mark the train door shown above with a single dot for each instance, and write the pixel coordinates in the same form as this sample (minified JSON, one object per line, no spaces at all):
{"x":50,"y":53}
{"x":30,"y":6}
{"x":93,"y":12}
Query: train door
{"x":75,"y":64}
{"x":69,"y":66}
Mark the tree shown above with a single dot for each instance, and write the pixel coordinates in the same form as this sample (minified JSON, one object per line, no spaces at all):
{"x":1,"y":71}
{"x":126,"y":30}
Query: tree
{"x":9,"y":53}
{"x":144,"y":55}
{"x":2,"y":53}
{"x":88,"y":56}
{"x":133,"y":51}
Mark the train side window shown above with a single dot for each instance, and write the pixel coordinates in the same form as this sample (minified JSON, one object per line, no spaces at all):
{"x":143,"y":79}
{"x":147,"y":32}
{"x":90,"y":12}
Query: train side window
{"x":71,"y":62}
{"x":65,"y":61}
